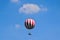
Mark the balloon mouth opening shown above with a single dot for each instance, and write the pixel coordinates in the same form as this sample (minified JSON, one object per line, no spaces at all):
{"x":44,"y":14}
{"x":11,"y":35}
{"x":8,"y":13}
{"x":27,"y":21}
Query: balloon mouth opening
{"x":30,"y":28}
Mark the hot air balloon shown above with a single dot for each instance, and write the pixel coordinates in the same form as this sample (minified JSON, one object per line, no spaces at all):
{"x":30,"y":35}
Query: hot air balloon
{"x":29,"y":24}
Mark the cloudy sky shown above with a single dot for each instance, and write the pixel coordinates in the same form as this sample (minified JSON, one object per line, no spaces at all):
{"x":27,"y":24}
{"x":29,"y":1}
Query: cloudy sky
{"x":13,"y":14}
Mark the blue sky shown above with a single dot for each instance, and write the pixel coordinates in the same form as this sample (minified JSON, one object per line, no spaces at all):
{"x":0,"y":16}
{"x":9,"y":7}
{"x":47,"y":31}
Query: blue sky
{"x":12,"y":22}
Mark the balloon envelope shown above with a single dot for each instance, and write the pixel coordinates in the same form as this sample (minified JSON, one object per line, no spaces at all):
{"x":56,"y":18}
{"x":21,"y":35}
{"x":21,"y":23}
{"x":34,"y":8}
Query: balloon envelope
{"x":29,"y":23}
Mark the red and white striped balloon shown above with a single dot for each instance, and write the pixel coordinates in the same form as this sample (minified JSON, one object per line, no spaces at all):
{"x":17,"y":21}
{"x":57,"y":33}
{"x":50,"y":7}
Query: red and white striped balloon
{"x":29,"y":23}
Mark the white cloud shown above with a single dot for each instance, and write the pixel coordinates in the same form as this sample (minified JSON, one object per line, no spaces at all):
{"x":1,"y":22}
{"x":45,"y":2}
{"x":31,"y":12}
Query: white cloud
{"x":14,"y":1}
{"x":17,"y":25}
{"x":31,"y":8}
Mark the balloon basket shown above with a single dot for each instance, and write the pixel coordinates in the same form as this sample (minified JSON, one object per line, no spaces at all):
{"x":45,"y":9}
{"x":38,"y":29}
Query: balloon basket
{"x":29,"y":34}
